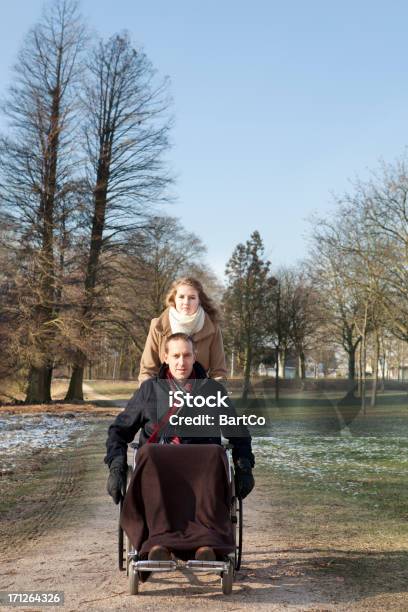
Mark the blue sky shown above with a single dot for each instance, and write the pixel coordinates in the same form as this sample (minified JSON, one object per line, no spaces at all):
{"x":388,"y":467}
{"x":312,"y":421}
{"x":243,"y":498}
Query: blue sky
{"x":276,"y":104}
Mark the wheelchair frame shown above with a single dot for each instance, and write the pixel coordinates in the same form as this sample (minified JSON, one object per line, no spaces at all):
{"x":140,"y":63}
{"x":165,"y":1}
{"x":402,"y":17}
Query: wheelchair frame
{"x":128,"y":557}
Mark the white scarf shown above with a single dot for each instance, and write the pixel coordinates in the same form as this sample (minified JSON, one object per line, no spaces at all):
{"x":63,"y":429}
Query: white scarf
{"x":184,"y":323}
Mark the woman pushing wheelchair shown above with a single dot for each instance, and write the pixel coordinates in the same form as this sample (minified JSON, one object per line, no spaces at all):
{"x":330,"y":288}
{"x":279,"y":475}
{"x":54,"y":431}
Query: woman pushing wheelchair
{"x":189,"y":311}
{"x":179,"y":405}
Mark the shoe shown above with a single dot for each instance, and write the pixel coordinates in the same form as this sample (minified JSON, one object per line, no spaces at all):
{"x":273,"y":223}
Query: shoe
{"x":144,"y":576}
{"x":205,"y":553}
{"x":159,"y":553}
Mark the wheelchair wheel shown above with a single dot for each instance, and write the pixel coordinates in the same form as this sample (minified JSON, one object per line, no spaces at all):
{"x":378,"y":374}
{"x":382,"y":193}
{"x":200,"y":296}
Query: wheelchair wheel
{"x":236,"y":517}
{"x":122,"y":538}
{"x":227,"y":579}
{"x":133,"y":580}
{"x":238,"y":544}
{"x":127,"y":551}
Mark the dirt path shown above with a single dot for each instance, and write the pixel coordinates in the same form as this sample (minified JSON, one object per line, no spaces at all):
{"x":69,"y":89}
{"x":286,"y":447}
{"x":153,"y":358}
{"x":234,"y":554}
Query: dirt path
{"x":70,"y":544}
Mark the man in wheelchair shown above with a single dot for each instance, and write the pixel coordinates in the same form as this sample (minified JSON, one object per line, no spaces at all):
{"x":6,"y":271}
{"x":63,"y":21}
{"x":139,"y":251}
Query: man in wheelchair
{"x":180,"y":406}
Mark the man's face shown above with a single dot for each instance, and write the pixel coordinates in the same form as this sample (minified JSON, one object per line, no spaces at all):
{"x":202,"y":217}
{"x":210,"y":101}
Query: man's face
{"x":180,"y":358}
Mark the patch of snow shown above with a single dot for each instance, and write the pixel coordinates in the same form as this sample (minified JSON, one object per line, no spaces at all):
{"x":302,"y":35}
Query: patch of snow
{"x":27,"y":435}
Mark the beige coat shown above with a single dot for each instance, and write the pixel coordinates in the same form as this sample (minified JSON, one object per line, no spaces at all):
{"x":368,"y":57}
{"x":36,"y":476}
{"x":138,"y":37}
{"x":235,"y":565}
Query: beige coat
{"x":208,"y":341}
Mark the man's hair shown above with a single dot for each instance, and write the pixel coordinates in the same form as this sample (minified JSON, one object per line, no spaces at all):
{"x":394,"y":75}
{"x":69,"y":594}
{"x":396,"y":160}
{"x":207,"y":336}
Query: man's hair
{"x":179,"y":336}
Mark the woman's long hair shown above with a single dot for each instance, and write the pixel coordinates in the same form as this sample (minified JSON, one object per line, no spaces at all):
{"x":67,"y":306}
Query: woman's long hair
{"x":205,"y":301}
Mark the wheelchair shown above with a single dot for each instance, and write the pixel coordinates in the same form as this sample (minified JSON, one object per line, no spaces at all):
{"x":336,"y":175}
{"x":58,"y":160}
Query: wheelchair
{"x":128,"y":558}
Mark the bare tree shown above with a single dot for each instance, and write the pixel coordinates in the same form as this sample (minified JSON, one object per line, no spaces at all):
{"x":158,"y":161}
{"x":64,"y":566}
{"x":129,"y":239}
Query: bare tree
{"x":11,"y":358}
{"x":303,"y":316}
{"x":126,"y":135}
{"x":351,"y":254}
{"x":384,"y":203}
{"x":339,"y":302}
{"x":278,"y":324}
{"x":157,"y":254}
{"x":37,"y":168}
{"x":149,"y":262}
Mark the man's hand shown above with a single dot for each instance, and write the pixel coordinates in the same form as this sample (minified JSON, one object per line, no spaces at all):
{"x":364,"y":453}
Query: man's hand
{"x":244,"y":481}
{"x":117,"y":478}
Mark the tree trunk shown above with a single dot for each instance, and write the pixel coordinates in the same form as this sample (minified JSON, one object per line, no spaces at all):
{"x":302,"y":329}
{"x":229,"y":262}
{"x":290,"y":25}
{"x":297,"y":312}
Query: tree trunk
{"x":352,"y":364}
{"x":126,"y":367}
{"x":297,"y":368}
{"x":383,"y":363}
{"x":302,"y":365}
{"x":98,"y":224}
{"x":115,"y":366}
{"x":350,"y":347}
{"x":375,"y":371}
{"x":75,"y":391}
{"x":360,"y":373}
{"x":39,"y":385}
{"x":363,"y":359}
{"x":247,"y":372}
{"x":282,"y":363}
{"x":277,"y":375}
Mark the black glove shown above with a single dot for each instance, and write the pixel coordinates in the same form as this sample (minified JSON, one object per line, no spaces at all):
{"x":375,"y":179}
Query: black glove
{"x":244,"y":481}
{"x":117,"y":478}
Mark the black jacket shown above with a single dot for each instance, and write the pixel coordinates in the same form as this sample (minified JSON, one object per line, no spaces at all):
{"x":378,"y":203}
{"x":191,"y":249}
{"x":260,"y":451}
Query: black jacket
{"x":151,"y":402}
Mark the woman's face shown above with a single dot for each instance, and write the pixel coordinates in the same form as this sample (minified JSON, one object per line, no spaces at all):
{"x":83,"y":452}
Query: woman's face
{"x":186,"y":299}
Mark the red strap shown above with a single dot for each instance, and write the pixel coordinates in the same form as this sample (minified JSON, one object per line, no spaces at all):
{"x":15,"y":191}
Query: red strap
{"x":161,"y":424}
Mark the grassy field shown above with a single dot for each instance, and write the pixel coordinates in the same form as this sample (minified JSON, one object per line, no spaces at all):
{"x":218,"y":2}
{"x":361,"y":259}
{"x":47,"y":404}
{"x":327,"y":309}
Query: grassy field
{"x":121,"y":389}
{"x":320,"y":412}
{"x":357,"y":547}
{"x":339,"y":485}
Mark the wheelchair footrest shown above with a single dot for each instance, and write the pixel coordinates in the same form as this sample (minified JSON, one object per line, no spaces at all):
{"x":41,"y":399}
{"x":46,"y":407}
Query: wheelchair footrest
{"x":208,"y":566}
{"x":155,"y":566}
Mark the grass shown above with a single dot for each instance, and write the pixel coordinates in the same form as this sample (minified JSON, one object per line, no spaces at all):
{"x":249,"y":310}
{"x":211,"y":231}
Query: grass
{"x":36,"y":496}
{"x":378,"y":485}
{"x":121,"y":389}
{"x":321,"y":412}
{"x":338,"y":540}
{"x":315,"y":511}
{"x":338,"y":478}
{"x":339,"y":490}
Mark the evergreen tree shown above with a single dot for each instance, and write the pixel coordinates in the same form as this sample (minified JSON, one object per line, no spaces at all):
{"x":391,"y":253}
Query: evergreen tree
{"x":247,"y":304}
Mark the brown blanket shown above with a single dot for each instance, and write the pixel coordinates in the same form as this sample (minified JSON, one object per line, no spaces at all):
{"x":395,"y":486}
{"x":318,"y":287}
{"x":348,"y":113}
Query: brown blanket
{"x":179,"y":497}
